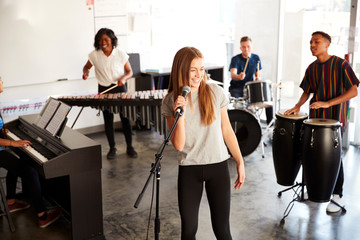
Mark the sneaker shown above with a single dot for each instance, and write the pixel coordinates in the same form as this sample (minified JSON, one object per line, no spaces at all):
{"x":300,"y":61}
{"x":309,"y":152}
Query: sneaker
{"x":52,"y":216}
{"x":332,"y":207}
{"x":306,"y":195}
{"x":17,"y":206}
{"x":112,"y":153}
{"x":130,"y":151}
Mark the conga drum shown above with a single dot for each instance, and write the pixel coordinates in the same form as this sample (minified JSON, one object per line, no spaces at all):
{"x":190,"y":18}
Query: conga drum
{"x":286,"y":147}
{"x":258,"y":94}
{"x":321,"y":157}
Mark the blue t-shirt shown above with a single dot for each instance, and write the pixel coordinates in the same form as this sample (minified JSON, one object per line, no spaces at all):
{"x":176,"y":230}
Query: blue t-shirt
{"x":239,"y":62}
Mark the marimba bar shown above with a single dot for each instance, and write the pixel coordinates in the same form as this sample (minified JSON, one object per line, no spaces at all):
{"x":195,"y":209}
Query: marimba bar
{"x":143,"y":106}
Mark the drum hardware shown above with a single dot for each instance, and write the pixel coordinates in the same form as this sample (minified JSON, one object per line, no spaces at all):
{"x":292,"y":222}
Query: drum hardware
{"x":257,"y":95}
{"x":257,"y":114}
{"x":298,"y":189}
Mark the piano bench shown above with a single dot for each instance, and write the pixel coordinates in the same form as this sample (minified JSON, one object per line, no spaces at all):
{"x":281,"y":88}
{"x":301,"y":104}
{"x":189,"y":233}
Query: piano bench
{"x":5,"y":209}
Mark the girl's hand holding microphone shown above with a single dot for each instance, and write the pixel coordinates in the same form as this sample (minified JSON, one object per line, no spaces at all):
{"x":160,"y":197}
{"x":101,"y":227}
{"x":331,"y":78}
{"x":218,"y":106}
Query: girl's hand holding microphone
{"x":180,"y":104}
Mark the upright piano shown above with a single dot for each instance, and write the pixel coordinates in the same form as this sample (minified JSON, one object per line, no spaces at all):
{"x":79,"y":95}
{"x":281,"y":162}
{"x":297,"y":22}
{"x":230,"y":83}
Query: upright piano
{"x":70,"y":170}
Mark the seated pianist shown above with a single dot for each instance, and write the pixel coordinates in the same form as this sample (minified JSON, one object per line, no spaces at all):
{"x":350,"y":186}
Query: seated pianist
{"x":17,"y":168}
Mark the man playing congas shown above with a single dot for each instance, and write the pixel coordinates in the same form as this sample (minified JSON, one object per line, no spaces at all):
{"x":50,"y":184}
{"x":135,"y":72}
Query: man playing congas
{"x":245,"y":67}
{"x":333,"y":83}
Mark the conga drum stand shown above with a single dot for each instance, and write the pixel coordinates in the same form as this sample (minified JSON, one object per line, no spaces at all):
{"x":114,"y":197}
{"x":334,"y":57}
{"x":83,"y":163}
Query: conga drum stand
{"x":298,"y":189}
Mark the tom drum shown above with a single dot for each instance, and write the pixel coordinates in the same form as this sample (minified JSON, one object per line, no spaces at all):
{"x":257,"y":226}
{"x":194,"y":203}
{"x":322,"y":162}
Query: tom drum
{"x":258,"y":94}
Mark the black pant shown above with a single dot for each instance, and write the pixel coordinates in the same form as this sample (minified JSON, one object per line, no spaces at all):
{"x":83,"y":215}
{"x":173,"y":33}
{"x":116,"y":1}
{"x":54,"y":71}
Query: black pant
{"x":17,"y":168}
{"x":191,"y":181}
{"x":109,"y":120}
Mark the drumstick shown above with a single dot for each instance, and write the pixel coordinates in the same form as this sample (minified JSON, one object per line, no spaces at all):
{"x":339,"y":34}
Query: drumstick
{"x":108,"y":89}
{"x":247,"y":60}
{"x":258,"y":67}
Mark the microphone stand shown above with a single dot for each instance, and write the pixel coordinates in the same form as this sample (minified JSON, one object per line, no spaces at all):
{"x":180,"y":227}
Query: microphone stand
{"x":155,"y":169}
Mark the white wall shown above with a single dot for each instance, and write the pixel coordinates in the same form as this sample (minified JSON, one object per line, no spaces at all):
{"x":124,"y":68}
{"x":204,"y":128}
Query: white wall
{"x":155,"y":29}
{"x":43,"y":41}
{"x":259,"y":19}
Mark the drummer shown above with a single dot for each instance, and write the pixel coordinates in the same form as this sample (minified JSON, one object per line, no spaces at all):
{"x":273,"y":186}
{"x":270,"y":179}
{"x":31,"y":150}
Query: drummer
{"x":333,"y":85}
{"x":246,"y":67}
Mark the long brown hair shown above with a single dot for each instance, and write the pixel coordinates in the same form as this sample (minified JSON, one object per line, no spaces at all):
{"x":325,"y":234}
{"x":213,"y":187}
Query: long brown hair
{"x":180,"y":76}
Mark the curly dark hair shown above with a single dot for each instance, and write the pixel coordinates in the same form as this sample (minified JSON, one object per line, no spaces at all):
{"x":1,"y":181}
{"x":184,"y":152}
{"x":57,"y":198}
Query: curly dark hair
{"x":324,"y":34}
{"x":110,"y":33}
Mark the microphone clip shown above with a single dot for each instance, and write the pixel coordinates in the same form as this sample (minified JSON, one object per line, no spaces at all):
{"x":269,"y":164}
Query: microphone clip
{"x":179,"y":111}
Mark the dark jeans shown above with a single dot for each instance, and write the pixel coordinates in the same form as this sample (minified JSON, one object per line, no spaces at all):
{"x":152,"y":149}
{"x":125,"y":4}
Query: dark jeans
{"x":238,"y":92}
{"x":338,"y":189}
{"x":191,"y":181}
{"x":17,"y":168}
{"x":109,"y":120}
{"x":340,"y":181}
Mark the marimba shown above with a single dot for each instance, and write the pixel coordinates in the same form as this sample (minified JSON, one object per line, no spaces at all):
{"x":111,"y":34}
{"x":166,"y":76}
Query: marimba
{"x":143,"y":106}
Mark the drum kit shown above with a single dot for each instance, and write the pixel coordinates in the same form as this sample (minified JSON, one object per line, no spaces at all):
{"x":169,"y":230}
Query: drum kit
{"x":313,"y":143}
{"x":244,"y":115}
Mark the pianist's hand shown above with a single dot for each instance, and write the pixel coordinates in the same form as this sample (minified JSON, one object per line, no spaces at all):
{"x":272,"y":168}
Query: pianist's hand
{"x":21,"y":143}
{"x":4,"y":131}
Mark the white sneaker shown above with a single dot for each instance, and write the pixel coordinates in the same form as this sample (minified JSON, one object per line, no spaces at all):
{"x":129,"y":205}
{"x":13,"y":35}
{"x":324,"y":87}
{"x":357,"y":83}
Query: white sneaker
{"x":332,"y":208}
{"x":306,"y":196}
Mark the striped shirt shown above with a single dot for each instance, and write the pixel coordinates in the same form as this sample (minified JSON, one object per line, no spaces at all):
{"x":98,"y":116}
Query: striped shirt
{"x":326,"y":81}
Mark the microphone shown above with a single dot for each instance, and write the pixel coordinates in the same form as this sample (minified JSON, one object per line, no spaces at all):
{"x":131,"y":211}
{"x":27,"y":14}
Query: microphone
{"x":185,"y":92}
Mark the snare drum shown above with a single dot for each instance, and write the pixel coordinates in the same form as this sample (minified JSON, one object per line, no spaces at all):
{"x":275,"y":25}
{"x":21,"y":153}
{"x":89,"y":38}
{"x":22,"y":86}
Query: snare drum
{"x":321,"y":157}
{"x":258,"y":94}
{"x":247,"y":130}
{"x":286,"y":147}
{"x":238,"y":103}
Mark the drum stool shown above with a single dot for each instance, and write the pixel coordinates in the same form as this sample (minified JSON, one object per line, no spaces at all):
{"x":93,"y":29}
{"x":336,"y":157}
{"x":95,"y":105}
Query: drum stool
{"x":5,"y":208}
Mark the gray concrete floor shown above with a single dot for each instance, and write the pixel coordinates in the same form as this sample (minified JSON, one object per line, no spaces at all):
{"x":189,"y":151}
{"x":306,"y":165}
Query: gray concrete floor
{"x":256,"y":209}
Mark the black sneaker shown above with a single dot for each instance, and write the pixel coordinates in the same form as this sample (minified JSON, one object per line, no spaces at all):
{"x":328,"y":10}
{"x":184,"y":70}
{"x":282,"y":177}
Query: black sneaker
{"x":112,"y":153}
{"x":131,"y":152}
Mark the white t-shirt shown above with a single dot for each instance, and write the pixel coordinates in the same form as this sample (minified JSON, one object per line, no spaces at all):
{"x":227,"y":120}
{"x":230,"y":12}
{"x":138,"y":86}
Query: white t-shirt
{"x":108,"y":69}
{"x":203,"y":144}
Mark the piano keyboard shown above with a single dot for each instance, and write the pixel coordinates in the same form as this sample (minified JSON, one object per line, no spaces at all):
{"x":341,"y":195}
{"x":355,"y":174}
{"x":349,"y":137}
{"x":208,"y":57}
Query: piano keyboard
{"x":35,"y":154}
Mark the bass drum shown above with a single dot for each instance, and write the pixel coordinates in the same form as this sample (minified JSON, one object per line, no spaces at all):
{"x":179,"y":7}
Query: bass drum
{"x":247,"y":130}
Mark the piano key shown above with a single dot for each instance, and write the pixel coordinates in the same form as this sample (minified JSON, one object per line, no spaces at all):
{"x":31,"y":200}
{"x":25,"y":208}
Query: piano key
{"x":29,"y":149}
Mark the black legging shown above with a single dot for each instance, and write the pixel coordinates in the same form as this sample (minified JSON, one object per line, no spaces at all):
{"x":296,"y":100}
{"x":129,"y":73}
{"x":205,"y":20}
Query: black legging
{"x":109,"y":120}
{"x":17,"y":168}
{"x":191,"y":180}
